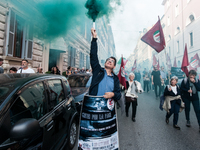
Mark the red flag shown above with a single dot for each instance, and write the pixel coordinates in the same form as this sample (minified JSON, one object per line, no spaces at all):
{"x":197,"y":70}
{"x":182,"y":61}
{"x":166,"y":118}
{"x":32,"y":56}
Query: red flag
{"x":185,"y":62}
{"x":134,"y":66}
{"x":155,"y":37}
{"x":154,"y":60}
{"x":175,"y":65}
{"x":194,"y":63}
{"x":121,"y":74}
{"x":158,"y":66}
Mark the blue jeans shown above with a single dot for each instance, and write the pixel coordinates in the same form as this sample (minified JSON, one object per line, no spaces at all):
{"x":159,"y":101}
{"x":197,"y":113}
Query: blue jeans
{"x":175,"y":107}
{"x":195,"y":104}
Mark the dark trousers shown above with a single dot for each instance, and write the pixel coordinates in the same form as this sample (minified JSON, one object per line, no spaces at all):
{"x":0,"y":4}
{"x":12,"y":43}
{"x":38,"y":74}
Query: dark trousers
{"x":146,"y":84}
{"x":195,"y":104}
{"x":175,"y":107}
{"x":134,"y":108}
{"x":159,"y":86}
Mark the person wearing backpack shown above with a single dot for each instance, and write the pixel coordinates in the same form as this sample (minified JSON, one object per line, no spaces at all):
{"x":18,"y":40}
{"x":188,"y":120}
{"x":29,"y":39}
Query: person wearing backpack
{"x":190,"y":87}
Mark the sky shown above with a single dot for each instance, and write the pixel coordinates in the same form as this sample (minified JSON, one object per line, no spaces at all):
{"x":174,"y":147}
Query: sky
{"x":130,"y":18}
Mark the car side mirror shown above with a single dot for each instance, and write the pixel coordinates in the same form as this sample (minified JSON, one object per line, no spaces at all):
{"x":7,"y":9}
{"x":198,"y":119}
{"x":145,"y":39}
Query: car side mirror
{"x":24,"y":128}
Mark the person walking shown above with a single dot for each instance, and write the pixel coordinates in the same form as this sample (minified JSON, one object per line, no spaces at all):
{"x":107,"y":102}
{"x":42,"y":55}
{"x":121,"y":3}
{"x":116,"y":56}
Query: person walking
{"x":132,"y":89}
{"x":173,"y":103}
{"x":24,"y":68}
{"x":156,"y":81}
{"x":146,"y":79}
{"x":163,"y":74}
{"x":190,"y":87}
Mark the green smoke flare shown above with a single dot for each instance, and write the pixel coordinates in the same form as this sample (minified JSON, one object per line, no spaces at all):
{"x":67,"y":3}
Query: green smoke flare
{"x":99,"y":8}
{"x":52,"y":18}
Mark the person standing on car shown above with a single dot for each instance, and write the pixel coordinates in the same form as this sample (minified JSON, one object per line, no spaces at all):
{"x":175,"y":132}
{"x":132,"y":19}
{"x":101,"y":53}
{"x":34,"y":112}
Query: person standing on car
{"x":156,"y":81}
{"x":190,"y":87}
{"x":24,"y":68}
{"x":132,"y":89}
{"x":104,"y":82}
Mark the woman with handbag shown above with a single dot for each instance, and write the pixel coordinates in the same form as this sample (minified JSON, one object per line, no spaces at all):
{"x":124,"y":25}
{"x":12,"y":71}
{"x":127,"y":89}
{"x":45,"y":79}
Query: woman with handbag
{"x":132,"y":89}
{"x":173,"y":103}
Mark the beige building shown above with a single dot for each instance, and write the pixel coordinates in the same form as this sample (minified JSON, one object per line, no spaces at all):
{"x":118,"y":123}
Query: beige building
{"x":17,"y":41}
{"x":181,"y":22}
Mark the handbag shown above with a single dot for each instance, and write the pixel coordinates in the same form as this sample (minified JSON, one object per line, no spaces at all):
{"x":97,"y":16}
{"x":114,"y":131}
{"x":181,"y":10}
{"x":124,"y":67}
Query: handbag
{"x":130,"y":99}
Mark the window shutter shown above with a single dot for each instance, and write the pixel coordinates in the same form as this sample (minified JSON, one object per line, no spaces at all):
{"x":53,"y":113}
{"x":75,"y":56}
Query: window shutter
{"x":29,"y":43}
{"x":11,"y":27}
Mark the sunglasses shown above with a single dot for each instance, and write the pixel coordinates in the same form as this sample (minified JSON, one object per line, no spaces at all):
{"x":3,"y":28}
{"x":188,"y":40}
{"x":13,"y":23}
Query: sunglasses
{"x":111,"y":60}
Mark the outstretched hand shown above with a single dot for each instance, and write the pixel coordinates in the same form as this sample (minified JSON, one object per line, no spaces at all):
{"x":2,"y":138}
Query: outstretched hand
{"x":94,"y":33}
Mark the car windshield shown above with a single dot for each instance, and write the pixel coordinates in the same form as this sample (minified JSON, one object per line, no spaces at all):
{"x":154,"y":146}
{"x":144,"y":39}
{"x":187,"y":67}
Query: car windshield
{"x":5,"y":90}
{"x":79,"y":81}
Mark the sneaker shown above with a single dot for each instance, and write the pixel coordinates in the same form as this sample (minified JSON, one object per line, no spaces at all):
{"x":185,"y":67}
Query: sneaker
{"x":133,"y":119}
{"x":177,"y":127}
{"x":167,"y":120}
{"x":188,"y":123}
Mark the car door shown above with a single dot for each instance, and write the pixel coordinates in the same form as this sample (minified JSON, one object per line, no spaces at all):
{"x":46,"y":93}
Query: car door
{"x":30,"y":103}
{"x":58,"y":106}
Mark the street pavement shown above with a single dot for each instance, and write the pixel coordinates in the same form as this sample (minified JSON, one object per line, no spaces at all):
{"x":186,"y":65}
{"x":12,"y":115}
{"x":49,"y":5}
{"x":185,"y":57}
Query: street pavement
{"x":150,"y":132}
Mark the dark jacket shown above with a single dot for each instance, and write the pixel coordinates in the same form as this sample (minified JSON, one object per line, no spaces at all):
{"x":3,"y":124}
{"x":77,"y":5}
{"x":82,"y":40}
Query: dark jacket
{"x":185,"y":86}
{"x":171,"y":93}
{"x":98,"y":73}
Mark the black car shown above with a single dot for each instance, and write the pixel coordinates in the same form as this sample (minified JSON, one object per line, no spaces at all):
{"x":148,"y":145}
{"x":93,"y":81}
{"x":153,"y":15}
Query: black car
{"x":176,"y":71}
{"x":36,"y":112}
{"x":79,"y":84}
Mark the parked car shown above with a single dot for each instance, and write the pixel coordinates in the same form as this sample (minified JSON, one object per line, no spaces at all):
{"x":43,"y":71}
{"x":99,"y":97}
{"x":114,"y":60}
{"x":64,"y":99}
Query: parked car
{"x":36,"y":112}
{"x":79,"y":84}
{"x":176,"y":71}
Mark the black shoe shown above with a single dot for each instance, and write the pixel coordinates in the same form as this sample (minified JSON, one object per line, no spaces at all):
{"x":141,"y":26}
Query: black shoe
{"x":126,"y":114}
{"x":167,"y":120}
{"x":177,"y":127}
{"x":133,"y":119}
{"x":199,"y":128}
{"x":188,"y":123}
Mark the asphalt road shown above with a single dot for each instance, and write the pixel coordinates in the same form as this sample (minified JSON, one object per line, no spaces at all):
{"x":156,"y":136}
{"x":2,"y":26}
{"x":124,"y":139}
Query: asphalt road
{"x":150,"y":132}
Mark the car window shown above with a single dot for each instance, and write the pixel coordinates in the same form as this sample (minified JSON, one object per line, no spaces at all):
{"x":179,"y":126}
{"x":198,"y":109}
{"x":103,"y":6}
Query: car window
{"x":56,"y":92}
{"x":67,"y":87}
{"x":78,"y":81}
{"x":30,"y":103}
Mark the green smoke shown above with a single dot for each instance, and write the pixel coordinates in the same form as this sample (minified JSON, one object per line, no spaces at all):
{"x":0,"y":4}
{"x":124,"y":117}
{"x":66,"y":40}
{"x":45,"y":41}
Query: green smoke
{"x":99,"y":8}
{"x":54,"y":18}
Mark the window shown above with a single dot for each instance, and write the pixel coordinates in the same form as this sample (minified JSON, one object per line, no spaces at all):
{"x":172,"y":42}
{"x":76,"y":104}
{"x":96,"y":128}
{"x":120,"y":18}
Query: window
{"x":191,"y":39}
{"x":176,"y":10}
{"x":67,"y":87}
{"x":56,"y":93}
{"x":20,"y":39}
{"x":169,"y":51}
{"x":191,"y":17}
{"x":29,"y":104}
{"x":179,"y":63}
{"x":168,"y":21}
{"x":87,"y":62}
{"x":81,"y":60}
{"x":178,"y":48}
{"x":71,"y":56}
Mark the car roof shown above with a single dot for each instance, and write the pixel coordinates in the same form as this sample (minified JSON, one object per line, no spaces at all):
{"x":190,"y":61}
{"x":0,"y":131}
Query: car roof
{"x":19,"y":79}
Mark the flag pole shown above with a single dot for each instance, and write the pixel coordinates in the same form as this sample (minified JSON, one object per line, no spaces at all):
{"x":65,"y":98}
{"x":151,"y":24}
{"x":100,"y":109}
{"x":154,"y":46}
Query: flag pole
{"x":166,"y":64}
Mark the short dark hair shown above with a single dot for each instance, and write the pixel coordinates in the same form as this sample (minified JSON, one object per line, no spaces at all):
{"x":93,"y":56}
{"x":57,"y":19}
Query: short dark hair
{"x":1,"y":59}
{"x":192,"y":72}
{"x":112,"y":58}
{"x":25,"y":60}
{"x":68,"y":67}
{"x":13,"y":69}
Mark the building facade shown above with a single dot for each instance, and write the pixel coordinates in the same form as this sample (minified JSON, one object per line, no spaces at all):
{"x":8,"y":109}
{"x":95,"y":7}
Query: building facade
{"x":17,"y":41}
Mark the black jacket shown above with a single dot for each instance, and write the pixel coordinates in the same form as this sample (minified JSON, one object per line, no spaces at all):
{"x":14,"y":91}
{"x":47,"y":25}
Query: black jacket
{"x":185,"y":86}
{"x":171,"y":93}
{"x":98,"y":73}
